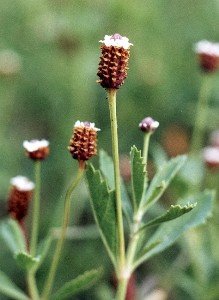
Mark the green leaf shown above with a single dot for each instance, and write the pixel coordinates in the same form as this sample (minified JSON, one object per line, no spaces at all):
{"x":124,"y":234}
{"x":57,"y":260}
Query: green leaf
{"x":107,"y":169}
{"x":8,"y":288}
{"x":138,"y":175}
{"x":104,"y":209}
{"x":26,"y":261}
{"x":77,"y":285}
{"x":162,"y":179}
{"x":174,"y":212}
{"x":43,"y":249}
{"x":13,"y":236}
{"x":169,"y":232}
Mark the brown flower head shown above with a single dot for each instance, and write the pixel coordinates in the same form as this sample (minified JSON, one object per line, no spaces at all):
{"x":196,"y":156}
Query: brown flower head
{"x":36,"y":150}
{"x":113,"y":64}
{"x":19,"y":197}
{"x":83,"y":144}
{"x":208,"y":55}
{"x":148,"y":125}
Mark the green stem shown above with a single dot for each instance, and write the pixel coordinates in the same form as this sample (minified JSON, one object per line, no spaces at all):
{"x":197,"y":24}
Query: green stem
{"x":115,"y":152}
{"x":36,"y":209}
{"x":32,"y":286}
{"x":59,"y":245}
{"x":201,"y":113}
{"x":121,"y":293}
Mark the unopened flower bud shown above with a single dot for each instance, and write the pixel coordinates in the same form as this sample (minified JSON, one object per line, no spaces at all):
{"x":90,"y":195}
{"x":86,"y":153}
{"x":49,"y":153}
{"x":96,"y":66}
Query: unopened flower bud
{"x":211,"y":157}
{"x":19,"y":197}
{"x":36,"y":149}
{"x":113,"y":64}
{"x":83,"y":144}
{"x":148,"y":125}
{"x":208,"y":55}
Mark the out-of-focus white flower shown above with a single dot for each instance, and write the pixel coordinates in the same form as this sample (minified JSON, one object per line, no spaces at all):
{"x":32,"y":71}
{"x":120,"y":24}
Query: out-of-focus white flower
{"x":35,"y":145}
{"x":22,"y":183}
{"x":206,"y":47}
{"x":211,"y":157}
{"x":116,"y":40}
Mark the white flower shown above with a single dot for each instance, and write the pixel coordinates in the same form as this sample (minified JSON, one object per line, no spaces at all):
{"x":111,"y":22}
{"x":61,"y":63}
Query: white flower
{"x":211,"y":155}
{"x":22,"y":183}
{"x":116,"y":40}
{"x":206,"y":47}
{"x":86,"y":124}
{"x":35,"y":145}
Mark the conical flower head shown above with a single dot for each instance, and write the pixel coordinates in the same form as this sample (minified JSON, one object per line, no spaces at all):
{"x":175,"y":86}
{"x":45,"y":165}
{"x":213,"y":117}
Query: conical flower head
{"x":113,"y":64}
{"x":148,"y":125}
{"x":83,"y":144}
{"x":19,"y":197}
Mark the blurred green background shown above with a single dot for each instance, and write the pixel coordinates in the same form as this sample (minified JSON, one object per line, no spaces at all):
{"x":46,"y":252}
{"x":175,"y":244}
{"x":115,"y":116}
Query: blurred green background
{"x":49,"y":54}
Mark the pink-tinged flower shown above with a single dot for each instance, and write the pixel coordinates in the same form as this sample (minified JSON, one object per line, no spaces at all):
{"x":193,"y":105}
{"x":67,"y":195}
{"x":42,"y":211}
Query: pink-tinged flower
{"x":36,"y":149}
{"x":211,"y":157}
{"x":19,"y":197}
{"x":208,"y":54}
{"x":113,"y":64}
{"x":148,"y":125}
{"x":83,"y":144}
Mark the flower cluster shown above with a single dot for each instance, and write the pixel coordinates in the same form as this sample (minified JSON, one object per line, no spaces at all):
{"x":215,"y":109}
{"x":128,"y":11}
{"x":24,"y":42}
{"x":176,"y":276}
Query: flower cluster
{"x":208,"y":54}
{"x":36,"y":149}
{"x":83,"y":143}
{"x":113,"y":64}
{"x":19,"y":197}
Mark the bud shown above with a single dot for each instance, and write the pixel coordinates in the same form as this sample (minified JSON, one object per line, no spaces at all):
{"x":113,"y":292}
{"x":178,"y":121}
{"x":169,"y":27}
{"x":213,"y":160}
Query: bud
{"x":83,"y":144}
{"x":19,"y":197}
{"x":113,"y":64}
{"x":36,"y":150}
{"x":148,"y":125}
{"x":208,"y":54}
{"x":211,"y":157}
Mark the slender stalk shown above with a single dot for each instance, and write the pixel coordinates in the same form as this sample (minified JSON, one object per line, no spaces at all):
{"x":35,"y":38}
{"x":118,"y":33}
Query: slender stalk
{"x":121,"y":293}
{"x":201,"y":115}
{"x":59,"y":245}
{"x":32,"y":286}
{"x":115,"y":152}
{"x":36,"y":209}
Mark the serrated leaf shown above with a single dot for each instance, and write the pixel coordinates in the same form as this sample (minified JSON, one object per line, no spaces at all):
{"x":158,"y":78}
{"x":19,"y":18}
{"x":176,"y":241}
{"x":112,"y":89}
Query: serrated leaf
{"x":162,"y":179}
{"x":169,"y":232}
{"x":13,"y":235}
{"x":174,"y":212}
{"x":138,"y":175}
{"x":75,"y":286}
{"x":26,"y":261}
{"x":8,"y":288}
{"x":107,"y":169}
{"x":104,"y":209}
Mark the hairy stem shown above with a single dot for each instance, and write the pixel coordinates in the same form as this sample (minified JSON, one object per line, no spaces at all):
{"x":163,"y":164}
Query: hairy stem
{"x":115,"y":152}
{"x":201,"y":113}
{"x":36,"y":209}
{"x":32,"y":286}
{"x":59,"y":245}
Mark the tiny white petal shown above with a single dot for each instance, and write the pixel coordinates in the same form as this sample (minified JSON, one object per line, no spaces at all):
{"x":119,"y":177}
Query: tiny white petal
{"x":35,"y":145}
{"x":22,"y":183}
{"x":117,"y":42}
{"x":155,"y":124}
{"x":83,"y":124}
